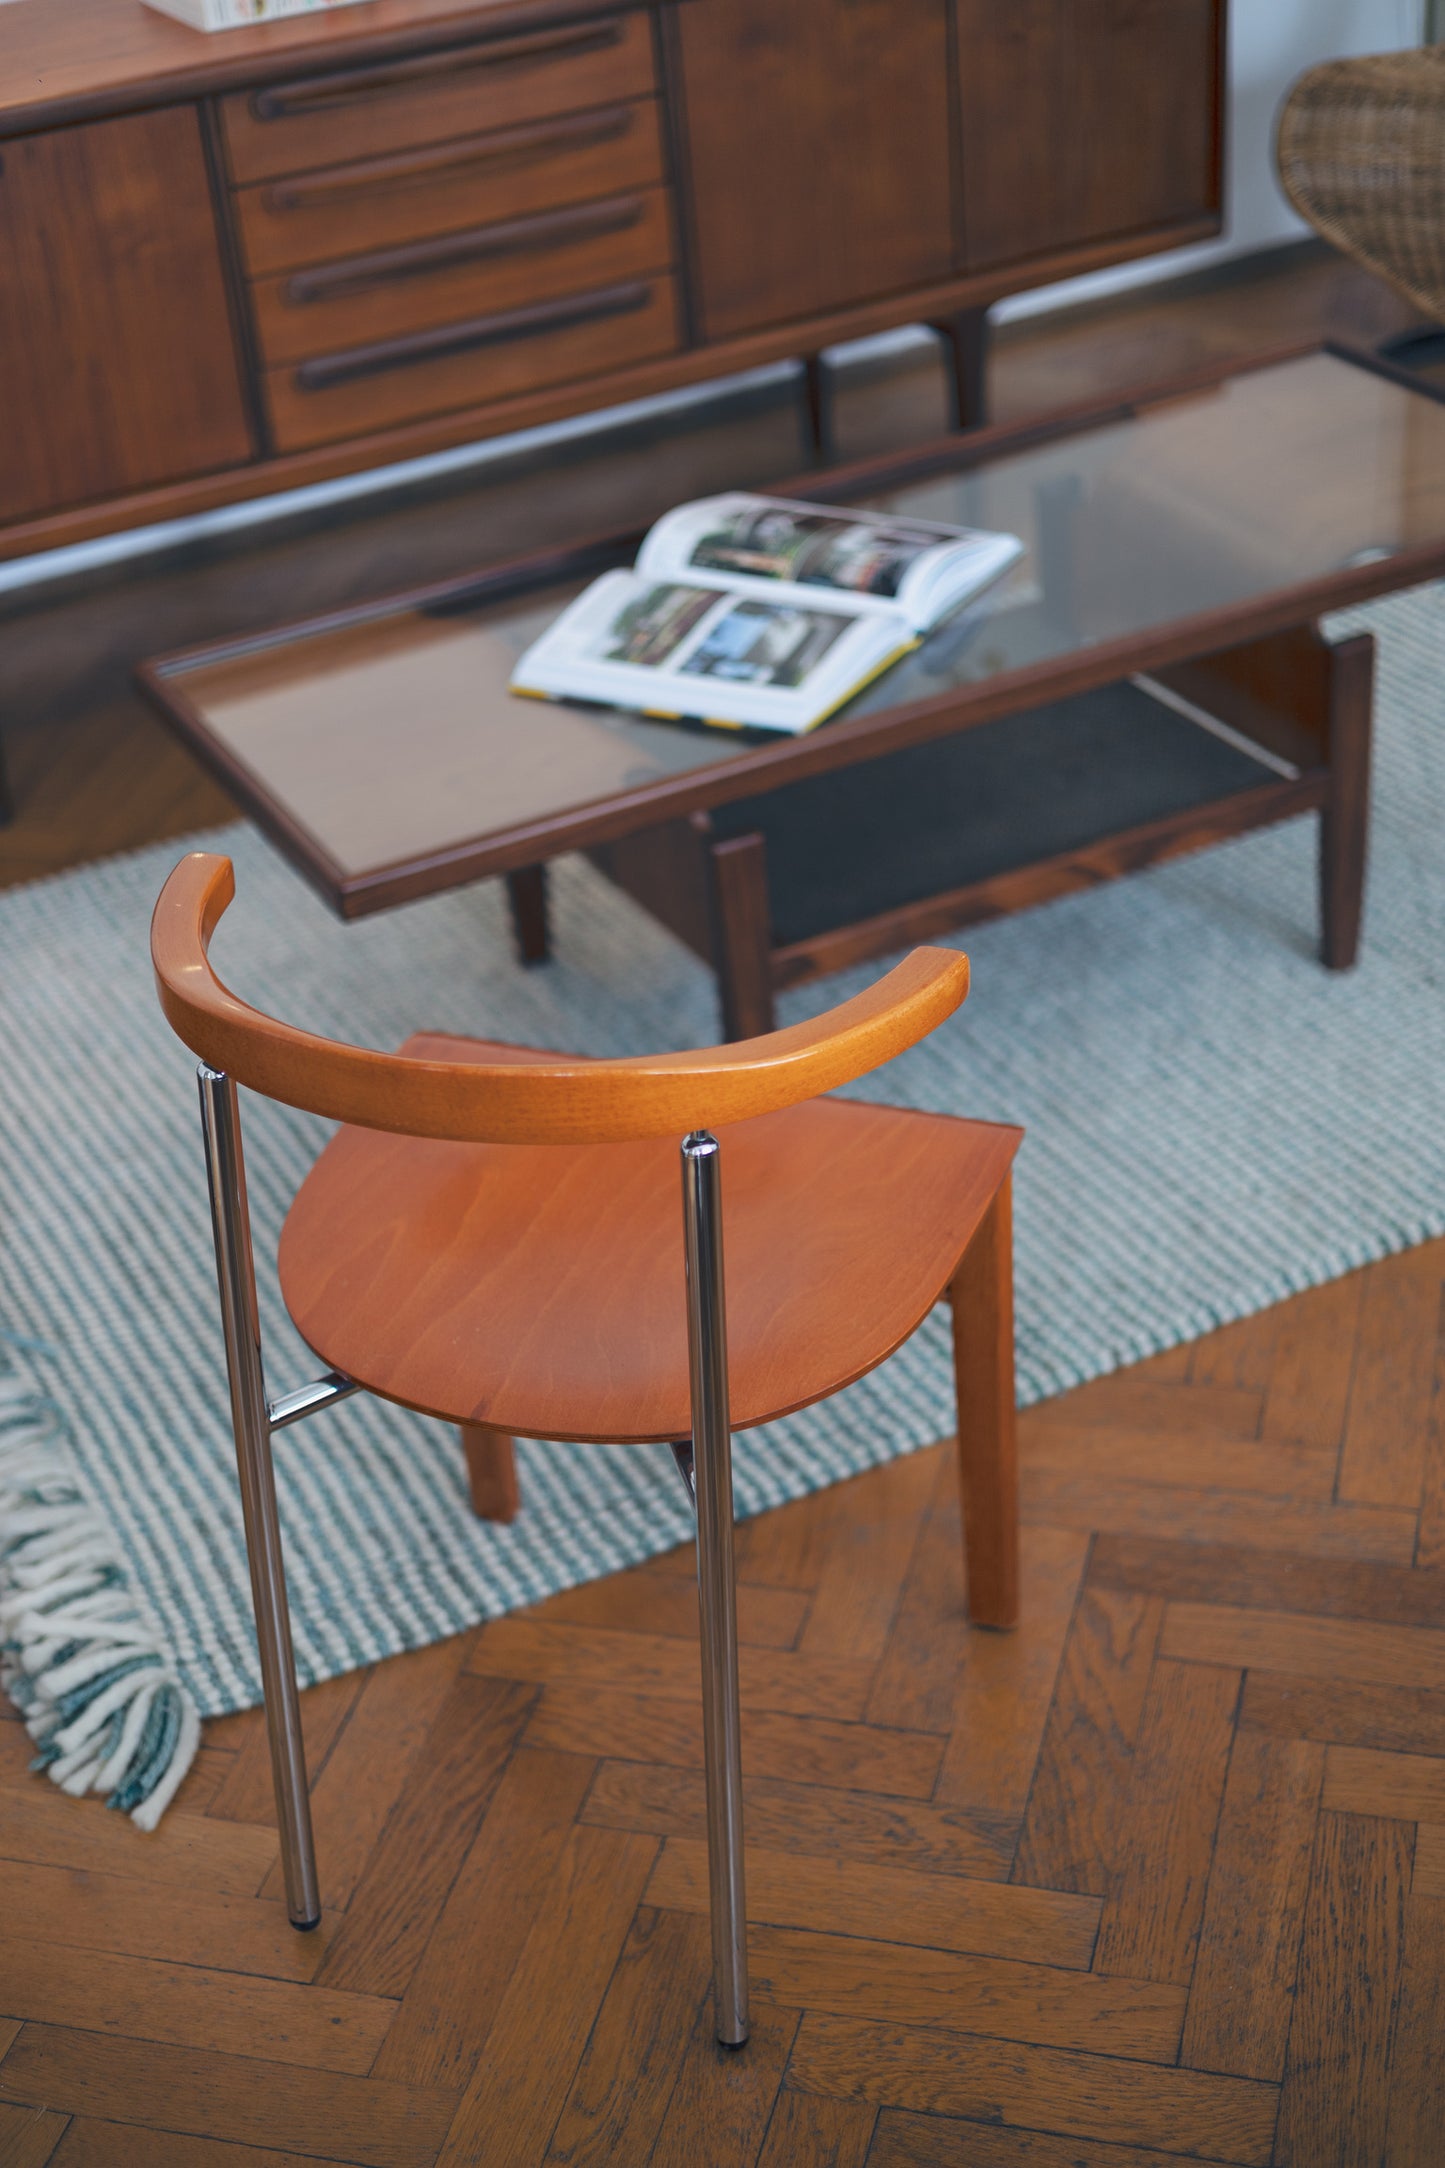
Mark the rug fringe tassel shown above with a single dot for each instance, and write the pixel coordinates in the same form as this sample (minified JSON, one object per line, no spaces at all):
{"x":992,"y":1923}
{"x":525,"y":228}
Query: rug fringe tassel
{"x":95,"y":1685}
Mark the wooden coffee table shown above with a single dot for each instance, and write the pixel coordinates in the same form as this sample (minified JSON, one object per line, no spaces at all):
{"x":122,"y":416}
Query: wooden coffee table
{"x":1150,"y":678}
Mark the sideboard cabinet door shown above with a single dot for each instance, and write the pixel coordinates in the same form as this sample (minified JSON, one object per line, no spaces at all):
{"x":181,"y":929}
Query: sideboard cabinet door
{"x":117,"y":368}
{"x":818,"y":143}
{"x":1084,"y":120}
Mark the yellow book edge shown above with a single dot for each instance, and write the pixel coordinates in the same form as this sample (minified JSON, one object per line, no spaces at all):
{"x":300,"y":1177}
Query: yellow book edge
{"x":728,"y":722}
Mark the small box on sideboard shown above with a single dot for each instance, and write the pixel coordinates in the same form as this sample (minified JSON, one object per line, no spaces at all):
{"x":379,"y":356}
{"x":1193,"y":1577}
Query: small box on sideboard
{"x":236,"y":14}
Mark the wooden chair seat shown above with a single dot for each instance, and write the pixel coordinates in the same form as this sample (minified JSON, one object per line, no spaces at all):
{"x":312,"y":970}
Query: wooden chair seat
{"x":535,"y":1289}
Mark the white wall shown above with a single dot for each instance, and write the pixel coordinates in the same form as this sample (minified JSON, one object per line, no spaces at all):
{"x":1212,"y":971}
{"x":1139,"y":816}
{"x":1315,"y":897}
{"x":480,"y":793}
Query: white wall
{"x":1270,"y":43}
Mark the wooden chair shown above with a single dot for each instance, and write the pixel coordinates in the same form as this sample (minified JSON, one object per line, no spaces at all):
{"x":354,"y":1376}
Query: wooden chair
{"x":494,"y":1239}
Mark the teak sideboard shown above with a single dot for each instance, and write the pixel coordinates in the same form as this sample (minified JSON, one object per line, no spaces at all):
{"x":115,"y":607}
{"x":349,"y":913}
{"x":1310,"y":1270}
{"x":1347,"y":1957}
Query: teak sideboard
{"x":240,"y":262}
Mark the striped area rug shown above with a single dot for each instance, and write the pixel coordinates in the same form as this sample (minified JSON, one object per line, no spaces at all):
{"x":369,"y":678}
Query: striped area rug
{"x":1214,"y":1122}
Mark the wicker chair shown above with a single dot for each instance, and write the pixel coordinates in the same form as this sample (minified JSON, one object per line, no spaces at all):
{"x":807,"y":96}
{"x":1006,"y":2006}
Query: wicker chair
{"x":1361,"y":153}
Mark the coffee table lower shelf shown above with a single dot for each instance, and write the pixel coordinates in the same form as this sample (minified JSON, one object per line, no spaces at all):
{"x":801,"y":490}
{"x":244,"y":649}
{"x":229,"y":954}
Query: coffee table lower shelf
{"x":780,"y":888}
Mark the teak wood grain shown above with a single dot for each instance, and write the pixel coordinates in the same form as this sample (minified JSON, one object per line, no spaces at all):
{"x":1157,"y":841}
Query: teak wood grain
{"x":371,"y":108}
{"x":116,"y":360}
{"x":416,"y":195}
{"x":772,"y":253}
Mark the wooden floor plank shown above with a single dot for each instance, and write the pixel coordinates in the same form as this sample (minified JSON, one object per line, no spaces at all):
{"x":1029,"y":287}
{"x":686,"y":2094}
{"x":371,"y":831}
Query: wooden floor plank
{"x":1152,"y":1916}
{"x":1001,"y":1700}
{"x":1430,"y":1547}
{"x":1428,"y":1879}
{"x":248,"y":1794}
{"x":890,"y":1904}
{"x":641,"y":1602}
{"x":90,"y":2144}
{"x":800,"y":1749}
{"x":1314,"y":1358}
{"x":29,"y":2136}
{"x":872,"y":1542}
{"x":378,"y":1942}
{"x":789,"y":1547}
{"x":518,"y":2090}
{"x":807,"y":1819}
{"x":823,"y":2133}
{"x":1066,"y":1500}
{"x":1257,"y":1579}
{"x":203,"y":1780}
{"x":119,"y":1913}
{"x":1283,"y":1468}
{"x":1334,"y":2104}
{"x":1416,"y":2117}
{"x":1382,"y":1462}
{"x":914,"y":1682}
{"x":1357,"y":1650}
{"x":630,"y":2065}
{"x":723,"y":2102}
{"x":1046,"y":2089}
{"x":994,"y":1997}
{"x":905,"y":2140}
{"x":1397,"y":1719}
{"x":456,"y":1989}
{"x":188,"y":2006}
{"x":188,"y":1851}
{"x":1123,"y":1401}
{"x":1238,"y":1355}
{"x":1405,"y":1787}
{"x":370,"y":1764}
{"x":361,"y":2121}
{"x":1242,"y":1990}
{"x":1071,"y":1829}
{"x":661,"y":1665}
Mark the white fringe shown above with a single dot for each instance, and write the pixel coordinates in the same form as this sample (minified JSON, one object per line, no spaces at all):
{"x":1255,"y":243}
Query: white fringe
{"x":90,"y":1675}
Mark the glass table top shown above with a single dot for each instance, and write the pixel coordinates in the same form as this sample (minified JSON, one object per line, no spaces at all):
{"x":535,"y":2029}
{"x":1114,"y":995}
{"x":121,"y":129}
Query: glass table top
{"x":393,"y":737}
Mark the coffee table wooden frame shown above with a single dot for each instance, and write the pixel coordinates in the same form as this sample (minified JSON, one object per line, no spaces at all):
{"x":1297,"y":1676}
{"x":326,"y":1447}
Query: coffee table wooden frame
{"x":1260,"y":667}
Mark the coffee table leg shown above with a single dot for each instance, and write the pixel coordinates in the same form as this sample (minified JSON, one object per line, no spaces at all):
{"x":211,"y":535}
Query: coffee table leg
{"x":818,"y":407}
{"x":965,"y":338}
{"x":527,"y":895}
{"x":742,"y":938}
{"x":1345,"y":815}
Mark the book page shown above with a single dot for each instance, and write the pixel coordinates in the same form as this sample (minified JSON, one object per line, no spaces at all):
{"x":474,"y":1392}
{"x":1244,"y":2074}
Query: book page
{"x":707,"y":653}
{"x":868,"y":563}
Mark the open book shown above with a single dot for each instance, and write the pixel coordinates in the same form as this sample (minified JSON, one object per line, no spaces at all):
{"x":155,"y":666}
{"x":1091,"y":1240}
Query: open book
{"x":753,"y":611}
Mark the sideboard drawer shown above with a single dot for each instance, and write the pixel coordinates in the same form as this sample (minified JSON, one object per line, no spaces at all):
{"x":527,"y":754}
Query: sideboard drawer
{"x":455,"y":277}
{"x":499,"y":355}
{"x":427,"y":98}
{"x":442,"y":187}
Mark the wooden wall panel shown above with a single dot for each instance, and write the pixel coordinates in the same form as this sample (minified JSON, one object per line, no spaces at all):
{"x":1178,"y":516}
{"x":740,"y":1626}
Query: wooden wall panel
{"x":819,"y":133}
{"x":117,"y":369}
{"x":1079,"y":123}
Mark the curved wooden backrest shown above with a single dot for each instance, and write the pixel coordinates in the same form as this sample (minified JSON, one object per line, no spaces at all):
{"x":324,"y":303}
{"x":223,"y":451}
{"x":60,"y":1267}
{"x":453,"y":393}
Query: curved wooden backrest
{"x":546,"y":1102}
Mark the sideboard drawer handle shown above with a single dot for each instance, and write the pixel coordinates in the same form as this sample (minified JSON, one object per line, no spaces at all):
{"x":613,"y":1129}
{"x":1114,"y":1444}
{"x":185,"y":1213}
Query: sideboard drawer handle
{"x":514,"y":237}
{"x":508,"y":148}
{"x":325,"y":93}
{"x":328,"y":370}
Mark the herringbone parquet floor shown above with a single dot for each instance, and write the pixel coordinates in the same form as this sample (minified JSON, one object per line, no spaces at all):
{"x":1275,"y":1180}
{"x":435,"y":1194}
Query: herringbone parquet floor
{"x":1159,"y":1877}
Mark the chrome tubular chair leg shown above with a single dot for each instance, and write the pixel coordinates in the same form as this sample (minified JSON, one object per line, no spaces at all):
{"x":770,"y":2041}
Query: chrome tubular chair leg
{"x":236,"y":1277}
{"x":717,"y":1601}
